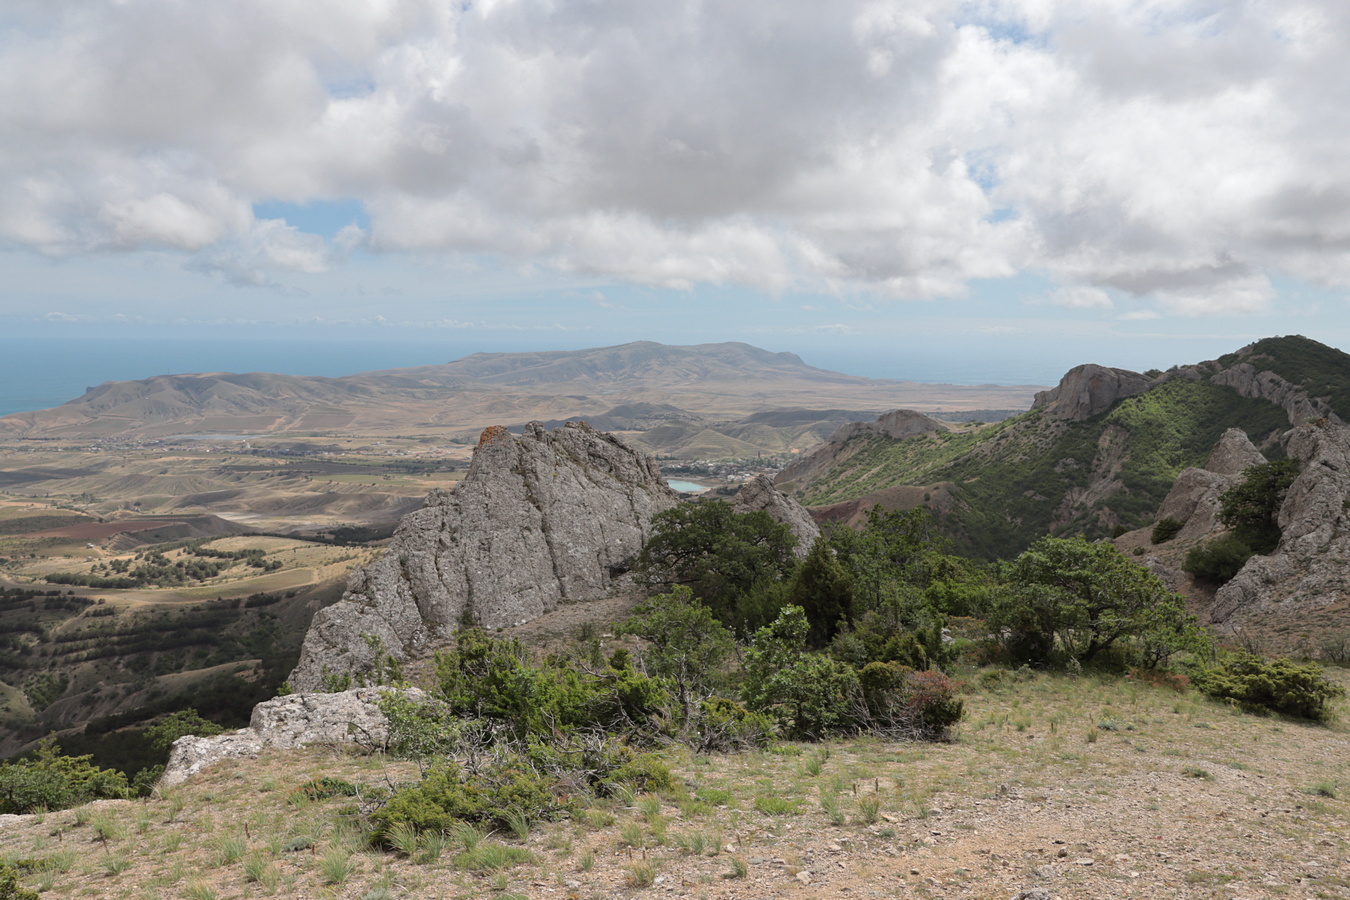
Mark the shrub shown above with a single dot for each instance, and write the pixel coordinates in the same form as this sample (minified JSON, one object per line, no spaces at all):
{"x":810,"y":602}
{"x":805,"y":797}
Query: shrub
{"x":163,"y":733}
{"x":51,"y":781}
{"x":1218,"y":560}
{"x":10,"y":889}
{"x":717,"y":551}
{"x":1277,"y":685}
{"x":447,"y":796}
{"x":1164,"y":530}
{"x":812,"y":695}
{"x":809,"y":695}
{"x":724,"y":726}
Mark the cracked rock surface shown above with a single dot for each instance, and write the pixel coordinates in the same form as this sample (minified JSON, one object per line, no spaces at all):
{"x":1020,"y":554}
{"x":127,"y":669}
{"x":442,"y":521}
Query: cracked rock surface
{"x":540,"y":518}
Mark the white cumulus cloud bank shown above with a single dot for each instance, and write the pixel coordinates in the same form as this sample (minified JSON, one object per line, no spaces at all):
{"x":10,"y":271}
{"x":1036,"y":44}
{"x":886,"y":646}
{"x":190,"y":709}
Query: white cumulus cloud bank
{"x":1184,"y":150}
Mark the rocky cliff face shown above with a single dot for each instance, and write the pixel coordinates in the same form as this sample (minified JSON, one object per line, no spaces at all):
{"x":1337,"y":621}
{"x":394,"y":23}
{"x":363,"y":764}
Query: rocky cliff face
{"x":1247,"y":381}
{"x":1194,"y":498}
{"x":760,"y":494}
{"x":1308,"y":570}
{"x":539,"y":518}
{"x":1089,"y":390}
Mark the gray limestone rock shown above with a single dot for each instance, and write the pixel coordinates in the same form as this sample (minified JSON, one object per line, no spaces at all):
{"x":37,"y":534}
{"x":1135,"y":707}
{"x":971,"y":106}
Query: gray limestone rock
{"x":296,"y":720}
{"x":760,"y":494}
{"x":1089,"y":390}
{"x":1194,"y":497}
{"x":1307,"y":569}
{"x":545,"y":517}
{"x":1247,"y":381}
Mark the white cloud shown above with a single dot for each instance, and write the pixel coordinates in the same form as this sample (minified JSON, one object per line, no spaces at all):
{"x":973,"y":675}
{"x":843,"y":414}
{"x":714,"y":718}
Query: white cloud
{"x":1177,"y":150}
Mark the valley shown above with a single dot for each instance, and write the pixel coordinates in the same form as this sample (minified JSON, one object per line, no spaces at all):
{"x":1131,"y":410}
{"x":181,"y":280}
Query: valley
{"x":208,"y":544}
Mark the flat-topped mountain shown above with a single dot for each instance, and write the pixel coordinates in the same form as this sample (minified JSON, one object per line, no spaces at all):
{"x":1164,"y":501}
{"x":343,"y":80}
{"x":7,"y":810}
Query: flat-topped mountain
{"x":643,"y":381}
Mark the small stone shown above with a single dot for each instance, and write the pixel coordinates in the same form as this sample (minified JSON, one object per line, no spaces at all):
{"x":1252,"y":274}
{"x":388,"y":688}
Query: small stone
{"x":1085,"y":861}
{"x":804,"y":876}
{"x":1033,"y":894}
{"x":1062,"y":852}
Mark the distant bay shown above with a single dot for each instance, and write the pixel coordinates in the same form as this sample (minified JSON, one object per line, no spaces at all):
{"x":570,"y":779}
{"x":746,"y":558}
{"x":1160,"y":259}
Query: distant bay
{"x":46,"y":371}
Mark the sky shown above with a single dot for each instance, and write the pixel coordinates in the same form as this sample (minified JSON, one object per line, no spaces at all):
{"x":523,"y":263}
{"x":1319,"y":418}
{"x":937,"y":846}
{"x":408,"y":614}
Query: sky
{"x":1014,"y":185}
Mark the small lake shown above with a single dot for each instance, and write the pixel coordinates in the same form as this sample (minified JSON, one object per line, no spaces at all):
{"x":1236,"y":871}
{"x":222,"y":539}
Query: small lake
{"x":686,"y":487}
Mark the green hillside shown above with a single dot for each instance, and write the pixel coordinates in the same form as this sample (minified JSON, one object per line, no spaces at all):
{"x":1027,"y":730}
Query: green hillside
{"x":1037,"y":474}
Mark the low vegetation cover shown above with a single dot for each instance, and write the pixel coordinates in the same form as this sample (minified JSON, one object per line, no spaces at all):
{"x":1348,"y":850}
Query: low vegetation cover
{"x":50,"y":780}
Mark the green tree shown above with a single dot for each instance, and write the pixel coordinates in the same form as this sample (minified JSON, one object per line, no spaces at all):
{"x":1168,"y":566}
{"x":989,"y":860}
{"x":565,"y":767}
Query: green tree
{"x":810,"y":695}
{"x":1081,"y":598}
{"x":717,"y":552}
{"x":823,"y":588}
{"x":688,"y":646}
{"x":1252,"y":507}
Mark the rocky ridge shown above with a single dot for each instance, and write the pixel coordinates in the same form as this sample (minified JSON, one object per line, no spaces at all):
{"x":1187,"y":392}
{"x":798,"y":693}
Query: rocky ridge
{"x":897,"y":424}
{"x":1307,"y":570}
{"x":1249,"y":382}
{"x":542,"y":518}
{"x":1194,"y":497}
{"x":760,"y":494}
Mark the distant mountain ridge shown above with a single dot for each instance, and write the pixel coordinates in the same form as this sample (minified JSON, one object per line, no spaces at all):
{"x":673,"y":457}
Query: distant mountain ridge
{"x":1096,"y":454}
{"x":723,"y":381}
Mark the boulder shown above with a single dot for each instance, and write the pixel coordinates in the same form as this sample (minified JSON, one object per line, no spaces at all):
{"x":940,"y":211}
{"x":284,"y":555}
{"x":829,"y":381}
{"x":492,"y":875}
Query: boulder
{"x":1090,"y":390}
{"x":296,"y":720}
{"x":760,"y":494}
{"x":542,"y":518}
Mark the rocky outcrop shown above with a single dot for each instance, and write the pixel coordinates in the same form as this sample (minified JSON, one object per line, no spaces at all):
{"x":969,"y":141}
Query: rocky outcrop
{"x":1089,"y":390}
{"x":296,"y":720}
{"x":1308,"y":568}
{"x":1247,"y":381}
{"x":897,"y":424}
{"x":760,"y":494}
{"x":544,"y":517}
{"x":1194,"y":497}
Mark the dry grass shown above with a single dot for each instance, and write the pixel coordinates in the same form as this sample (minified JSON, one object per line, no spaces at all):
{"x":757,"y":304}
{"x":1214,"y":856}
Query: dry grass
{"x":1020,"y":800}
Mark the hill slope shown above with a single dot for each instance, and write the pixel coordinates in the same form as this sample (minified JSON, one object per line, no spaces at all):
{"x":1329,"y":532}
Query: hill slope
{"x":1097,"y":453}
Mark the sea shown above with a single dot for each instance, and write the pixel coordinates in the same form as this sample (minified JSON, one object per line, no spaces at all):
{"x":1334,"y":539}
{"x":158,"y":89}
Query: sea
{"x":39,"y":371}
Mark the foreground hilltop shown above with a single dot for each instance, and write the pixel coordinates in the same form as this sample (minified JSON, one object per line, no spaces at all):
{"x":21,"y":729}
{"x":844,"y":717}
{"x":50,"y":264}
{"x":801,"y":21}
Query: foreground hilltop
{"x":645,"y":384}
